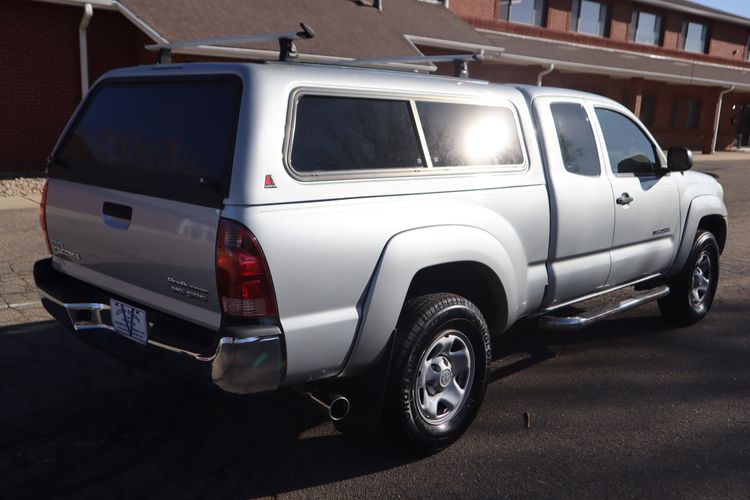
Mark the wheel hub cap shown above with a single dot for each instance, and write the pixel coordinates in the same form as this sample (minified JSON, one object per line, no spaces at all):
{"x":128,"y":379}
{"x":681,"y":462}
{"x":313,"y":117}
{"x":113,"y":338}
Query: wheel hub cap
{"x":443,"y":381}
{"x":701,"y":281}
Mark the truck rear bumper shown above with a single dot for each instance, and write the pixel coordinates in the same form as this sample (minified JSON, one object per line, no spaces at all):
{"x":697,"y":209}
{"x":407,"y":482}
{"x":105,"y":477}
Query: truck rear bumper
{"x":241,"y":360}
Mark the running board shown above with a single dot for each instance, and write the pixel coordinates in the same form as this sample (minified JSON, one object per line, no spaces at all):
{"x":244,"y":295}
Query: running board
{"x":595,"y":315}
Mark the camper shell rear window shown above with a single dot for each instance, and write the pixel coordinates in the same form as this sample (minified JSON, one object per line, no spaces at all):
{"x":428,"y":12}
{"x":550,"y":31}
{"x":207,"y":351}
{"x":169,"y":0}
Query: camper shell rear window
{"x":340,"y":136}
{"x":164,"y":137}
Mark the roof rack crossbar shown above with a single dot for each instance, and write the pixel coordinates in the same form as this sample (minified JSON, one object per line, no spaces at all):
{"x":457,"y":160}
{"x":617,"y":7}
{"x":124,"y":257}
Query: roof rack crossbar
{"x":460,"y":61}
{"x":287,"y":49}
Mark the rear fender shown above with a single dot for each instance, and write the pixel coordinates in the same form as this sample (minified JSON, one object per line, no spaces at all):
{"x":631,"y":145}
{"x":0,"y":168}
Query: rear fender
{"x":404,"y":256}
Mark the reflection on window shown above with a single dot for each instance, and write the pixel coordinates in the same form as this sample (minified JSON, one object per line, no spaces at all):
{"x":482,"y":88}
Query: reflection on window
{"x":628,"y":148}
{"x":694,"y":37}
{"x":344,"y":133}
{"x":468,"y":135}
{"x":523,"y":11}
{"x":646,"y":28}
{"x":577,"y":143}
{"x":590,"y":17}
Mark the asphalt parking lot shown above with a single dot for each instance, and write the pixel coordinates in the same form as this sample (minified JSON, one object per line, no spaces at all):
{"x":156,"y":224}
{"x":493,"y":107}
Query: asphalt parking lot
{"x":631,"y":407}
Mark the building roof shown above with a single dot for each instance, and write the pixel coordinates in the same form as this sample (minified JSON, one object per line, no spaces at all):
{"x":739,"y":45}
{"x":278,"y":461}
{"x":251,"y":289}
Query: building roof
{"x":528,"y":50}
{"x":343,"y":28}
{"x":698,"y":9}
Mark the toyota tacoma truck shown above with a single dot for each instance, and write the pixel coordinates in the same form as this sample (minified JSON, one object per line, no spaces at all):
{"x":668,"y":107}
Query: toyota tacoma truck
{"x":361,"y":233}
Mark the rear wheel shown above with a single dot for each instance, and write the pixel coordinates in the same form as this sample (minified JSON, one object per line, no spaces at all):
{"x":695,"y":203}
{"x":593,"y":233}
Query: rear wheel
{"x":693,"y":290}
{"x":440,"y":370}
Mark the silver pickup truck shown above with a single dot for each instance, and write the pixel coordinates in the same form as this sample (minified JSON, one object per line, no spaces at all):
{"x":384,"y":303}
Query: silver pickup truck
{"x":360,"y":233}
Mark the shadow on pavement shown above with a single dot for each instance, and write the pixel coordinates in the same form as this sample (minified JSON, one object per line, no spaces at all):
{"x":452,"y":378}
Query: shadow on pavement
{"x":75,"y":422}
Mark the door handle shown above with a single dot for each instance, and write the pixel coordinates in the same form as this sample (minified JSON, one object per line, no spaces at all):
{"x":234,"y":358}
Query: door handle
{"x":624,"y":199}
{"x":116,"y":216}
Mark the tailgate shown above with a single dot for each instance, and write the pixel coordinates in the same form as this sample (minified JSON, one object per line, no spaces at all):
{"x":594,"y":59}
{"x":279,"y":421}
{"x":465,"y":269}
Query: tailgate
{"x":136,"y":189}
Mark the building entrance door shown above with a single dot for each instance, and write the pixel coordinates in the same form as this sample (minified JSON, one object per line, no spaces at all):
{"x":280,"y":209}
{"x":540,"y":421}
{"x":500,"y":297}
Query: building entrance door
{"x":743,"y":127}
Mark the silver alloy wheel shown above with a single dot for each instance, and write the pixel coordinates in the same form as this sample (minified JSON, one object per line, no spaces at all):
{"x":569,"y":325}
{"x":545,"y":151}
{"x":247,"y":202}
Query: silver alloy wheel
{"x":443,"y":381}
{"x":701,"y":282}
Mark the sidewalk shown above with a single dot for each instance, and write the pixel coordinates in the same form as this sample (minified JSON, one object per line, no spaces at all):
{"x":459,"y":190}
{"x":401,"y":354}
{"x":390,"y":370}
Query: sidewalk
{"x":18,"y":202}
{"x":737,"y":156}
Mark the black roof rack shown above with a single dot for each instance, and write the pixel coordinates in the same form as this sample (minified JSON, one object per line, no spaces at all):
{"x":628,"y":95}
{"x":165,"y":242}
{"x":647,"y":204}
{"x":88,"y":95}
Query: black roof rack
{"x":287,"y":48}
{"x":460,"y":61}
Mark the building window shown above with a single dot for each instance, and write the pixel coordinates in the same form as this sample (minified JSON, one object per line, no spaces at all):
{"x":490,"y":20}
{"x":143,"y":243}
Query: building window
{"x":694,"y":37}
{"x":646,"y":28}
{"x":693,"y":114}
{"x":674,"y":117}
{"x":747,"y":49}
{"x":590,"y":17}
{"x":524,"y":11}
{"x":648,"y":102}
{"x":685,"y":114}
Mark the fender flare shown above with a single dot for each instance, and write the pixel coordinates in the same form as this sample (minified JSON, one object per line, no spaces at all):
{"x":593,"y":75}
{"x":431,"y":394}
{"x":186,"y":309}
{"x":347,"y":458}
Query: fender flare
{"x":405,"y":255}
{"x":700,"y":207}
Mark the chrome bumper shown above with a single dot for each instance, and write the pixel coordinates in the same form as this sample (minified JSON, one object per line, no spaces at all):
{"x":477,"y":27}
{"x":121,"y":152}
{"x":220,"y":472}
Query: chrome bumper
{"x":246,"y":359}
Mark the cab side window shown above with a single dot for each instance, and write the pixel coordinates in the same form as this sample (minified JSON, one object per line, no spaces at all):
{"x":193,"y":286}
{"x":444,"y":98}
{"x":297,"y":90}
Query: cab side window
{"x":629,"y":149}
{"x":577,"y":143}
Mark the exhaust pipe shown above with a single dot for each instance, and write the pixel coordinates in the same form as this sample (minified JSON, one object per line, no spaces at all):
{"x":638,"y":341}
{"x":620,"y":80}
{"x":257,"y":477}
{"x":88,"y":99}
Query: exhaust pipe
{"x":336,"y":404}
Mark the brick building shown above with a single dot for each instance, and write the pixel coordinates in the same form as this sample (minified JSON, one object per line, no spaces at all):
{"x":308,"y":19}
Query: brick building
{"x":683,"y":68}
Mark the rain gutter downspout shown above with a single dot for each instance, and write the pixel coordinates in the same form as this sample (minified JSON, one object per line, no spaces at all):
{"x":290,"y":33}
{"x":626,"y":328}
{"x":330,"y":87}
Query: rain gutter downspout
{"x":544,"y":73}
{"x":88,"y":12}
{"x":717,"y":120}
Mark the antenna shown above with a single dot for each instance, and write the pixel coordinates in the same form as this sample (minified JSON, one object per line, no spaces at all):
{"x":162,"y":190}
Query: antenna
{"x":460,"y":61}
{"x":287,"y":48}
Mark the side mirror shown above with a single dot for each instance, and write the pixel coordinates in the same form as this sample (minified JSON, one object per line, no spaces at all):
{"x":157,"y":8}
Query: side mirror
{"x":679,"y":159}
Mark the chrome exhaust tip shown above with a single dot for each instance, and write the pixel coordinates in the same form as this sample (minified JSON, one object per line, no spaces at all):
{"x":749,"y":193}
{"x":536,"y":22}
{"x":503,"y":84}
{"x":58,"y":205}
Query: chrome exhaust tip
{"x":337,"y":405}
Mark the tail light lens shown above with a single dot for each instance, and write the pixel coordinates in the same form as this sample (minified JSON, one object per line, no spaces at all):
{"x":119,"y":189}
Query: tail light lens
{"x":245,"y":287}
{"x":43,"y":216}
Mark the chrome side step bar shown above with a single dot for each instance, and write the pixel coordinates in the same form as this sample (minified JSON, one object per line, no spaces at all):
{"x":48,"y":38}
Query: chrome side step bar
{"x":595,"y":315}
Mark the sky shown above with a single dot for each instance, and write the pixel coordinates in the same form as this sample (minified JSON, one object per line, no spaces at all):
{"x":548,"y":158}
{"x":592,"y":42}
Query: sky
{"x":740,"y":7}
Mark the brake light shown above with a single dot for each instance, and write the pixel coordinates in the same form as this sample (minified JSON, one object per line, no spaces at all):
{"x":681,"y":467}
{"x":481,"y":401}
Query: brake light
{"x":43,"y":216}
{"x":245,"y":287}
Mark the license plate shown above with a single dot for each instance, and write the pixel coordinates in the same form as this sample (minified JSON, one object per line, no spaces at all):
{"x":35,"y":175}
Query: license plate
{"x":129,"y":321}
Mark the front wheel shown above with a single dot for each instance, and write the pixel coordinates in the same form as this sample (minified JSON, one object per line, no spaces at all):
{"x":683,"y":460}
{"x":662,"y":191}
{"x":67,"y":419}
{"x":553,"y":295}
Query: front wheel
{"x":693,"y":290}
{"x":440,"y":370}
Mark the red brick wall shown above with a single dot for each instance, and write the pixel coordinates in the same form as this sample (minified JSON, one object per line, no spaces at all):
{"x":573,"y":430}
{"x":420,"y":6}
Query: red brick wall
{"x":727,"y":40}
{"x":483,"y":9}
{"x":558,"y":14}
{"x":40,"y":85}
{"x":620,"y":15}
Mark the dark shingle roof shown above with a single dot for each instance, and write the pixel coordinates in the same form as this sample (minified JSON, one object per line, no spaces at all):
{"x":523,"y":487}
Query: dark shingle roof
{"x":343,"y":28}
{"x":587,"y":59}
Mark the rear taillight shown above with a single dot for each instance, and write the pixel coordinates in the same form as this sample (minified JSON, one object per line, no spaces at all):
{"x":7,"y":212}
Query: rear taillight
{"x":245,"y":287}
{"x":43,"y":216}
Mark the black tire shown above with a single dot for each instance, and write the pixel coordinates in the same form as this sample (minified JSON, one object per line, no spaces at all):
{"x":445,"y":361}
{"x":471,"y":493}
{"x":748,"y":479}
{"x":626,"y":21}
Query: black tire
{"x":457,"y":335}
{"x":687,"y":303}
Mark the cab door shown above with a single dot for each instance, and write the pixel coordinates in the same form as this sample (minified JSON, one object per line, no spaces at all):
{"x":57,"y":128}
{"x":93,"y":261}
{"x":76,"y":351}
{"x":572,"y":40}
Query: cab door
{"x":645,"y":199}
{"x":582,"y":214}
